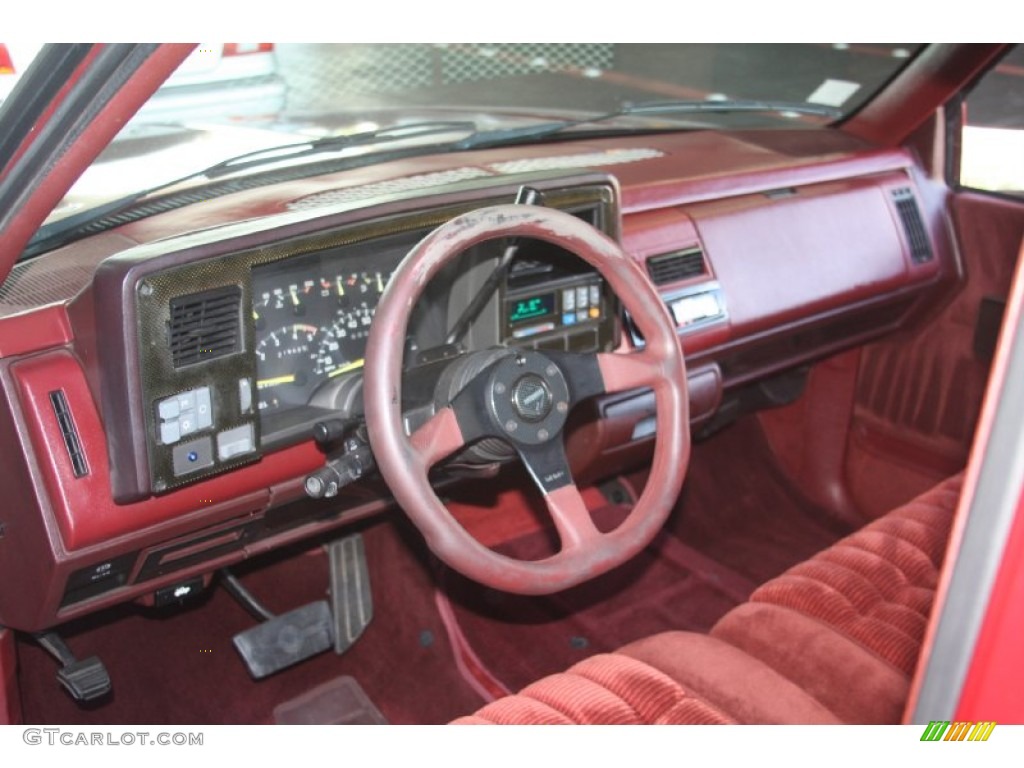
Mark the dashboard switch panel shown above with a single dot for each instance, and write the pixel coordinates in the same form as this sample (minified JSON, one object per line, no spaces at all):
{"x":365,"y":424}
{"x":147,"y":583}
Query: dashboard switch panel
{"x":192,"y":456}
{"x":235,"y":442}
{"x":183,"y":414}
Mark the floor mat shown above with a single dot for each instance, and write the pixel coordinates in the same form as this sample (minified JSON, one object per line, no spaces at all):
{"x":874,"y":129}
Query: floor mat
{"x":180,"y":666}
{"x":341,"y":701}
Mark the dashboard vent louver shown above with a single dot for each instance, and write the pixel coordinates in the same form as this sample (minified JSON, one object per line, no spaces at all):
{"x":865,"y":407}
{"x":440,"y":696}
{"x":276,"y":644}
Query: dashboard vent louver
{"x":913,"y":225}
{"x":205,"y":326}
{"x":673,"y":267}
{"x":69,"y":432}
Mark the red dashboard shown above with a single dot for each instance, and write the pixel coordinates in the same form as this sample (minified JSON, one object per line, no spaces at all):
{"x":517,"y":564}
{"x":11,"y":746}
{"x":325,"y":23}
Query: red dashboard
{"x":770,"y":249}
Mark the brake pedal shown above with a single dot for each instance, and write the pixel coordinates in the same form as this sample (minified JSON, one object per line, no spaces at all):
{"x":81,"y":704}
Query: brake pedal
{"x":286,"y":639}
{"x":350,"y":595}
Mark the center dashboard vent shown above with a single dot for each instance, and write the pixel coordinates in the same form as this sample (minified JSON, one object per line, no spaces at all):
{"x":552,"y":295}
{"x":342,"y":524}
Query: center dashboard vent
{"x":674,"y":267}
{"x":913,"y":226}
{"x":205,"y":326}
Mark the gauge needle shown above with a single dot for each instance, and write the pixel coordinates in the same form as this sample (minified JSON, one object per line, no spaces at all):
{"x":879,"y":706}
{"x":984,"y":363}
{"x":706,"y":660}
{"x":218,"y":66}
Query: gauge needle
{"x":295,"y":295}
{"x":266,"y":383}
{"x":346,"y":368}
{"x":341,"y":287}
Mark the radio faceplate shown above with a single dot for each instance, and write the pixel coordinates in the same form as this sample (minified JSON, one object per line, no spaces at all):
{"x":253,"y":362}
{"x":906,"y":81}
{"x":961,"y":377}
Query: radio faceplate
{"x":573,"y":314}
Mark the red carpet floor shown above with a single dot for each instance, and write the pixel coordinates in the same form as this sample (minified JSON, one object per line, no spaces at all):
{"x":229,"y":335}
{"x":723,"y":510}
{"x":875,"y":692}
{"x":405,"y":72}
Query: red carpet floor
{"x":179,"y":666}
{"x":736,"y":525}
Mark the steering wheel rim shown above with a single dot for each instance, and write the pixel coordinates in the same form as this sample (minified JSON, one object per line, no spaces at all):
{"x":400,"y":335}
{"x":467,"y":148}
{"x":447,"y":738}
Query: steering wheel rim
{"x":405,"y":461}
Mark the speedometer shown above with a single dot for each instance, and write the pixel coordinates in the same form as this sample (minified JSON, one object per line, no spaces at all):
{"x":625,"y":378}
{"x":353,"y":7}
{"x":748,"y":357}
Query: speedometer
{"x":283,"y":361}
{"x":343,"y":342}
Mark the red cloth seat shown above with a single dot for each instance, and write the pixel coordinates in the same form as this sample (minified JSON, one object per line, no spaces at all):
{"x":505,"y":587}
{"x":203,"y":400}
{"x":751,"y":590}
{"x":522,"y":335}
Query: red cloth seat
{"x":834,"y":639}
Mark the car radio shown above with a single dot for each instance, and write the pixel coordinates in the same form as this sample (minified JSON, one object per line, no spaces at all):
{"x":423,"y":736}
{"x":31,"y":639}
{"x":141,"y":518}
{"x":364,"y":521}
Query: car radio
{"x":568,"y":313}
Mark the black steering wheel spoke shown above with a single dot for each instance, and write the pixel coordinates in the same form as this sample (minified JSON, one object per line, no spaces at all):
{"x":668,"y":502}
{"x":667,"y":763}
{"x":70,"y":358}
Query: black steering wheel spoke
{"x":547,"y":464}
{"x":470,"y":409}
{"x":549,"y":468}
{"x":582,"y":373}
{"x":524,"y":396}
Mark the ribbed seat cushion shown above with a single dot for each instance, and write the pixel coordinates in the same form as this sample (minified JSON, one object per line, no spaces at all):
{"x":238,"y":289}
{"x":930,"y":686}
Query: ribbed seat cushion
{"x":608,"y":689}
{"x":833,"y":639}
{"x":847,"y":625}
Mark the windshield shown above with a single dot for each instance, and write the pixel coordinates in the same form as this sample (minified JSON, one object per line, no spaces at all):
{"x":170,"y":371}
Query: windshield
{"x":229,"y":99}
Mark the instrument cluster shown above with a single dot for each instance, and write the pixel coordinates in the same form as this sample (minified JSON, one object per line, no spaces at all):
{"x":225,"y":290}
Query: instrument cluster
{"x":312,"y":316}
{"x":310,"y":330}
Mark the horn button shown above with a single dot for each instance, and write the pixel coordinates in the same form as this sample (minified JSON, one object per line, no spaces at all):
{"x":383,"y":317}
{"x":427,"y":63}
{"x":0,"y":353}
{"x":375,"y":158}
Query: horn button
{"x":528,"y":398}
{"x":531,"y":398}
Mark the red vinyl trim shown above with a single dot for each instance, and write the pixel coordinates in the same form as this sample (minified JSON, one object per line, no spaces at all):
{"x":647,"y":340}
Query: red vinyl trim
{"x":67,"y":167}
{"x":994,"y":686}
{"x":472,"y":669}
{"x":10,"y":701}
{"x":35,"y":330}
{"x":52,"y":107}
{"x":928,"y":82}
{"x":83,"y":507}
{"x":993,"y":664}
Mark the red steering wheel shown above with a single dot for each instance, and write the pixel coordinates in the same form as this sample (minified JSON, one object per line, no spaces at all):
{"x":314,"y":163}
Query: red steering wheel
{"x":524,"y":398}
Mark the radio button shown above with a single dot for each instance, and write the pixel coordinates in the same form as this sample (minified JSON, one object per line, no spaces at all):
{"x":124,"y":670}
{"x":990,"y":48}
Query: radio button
{"x":568,"y":299}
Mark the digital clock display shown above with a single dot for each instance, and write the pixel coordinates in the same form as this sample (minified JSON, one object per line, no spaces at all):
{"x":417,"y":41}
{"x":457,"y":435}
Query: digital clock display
{"x":531,"y":307}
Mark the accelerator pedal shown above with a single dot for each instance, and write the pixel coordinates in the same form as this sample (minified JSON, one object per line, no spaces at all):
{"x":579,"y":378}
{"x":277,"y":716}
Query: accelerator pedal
{"x":350,"y":596}
{"x":286,"y":639}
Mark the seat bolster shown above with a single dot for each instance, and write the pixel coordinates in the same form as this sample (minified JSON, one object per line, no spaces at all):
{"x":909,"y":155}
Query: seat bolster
{"x":609,"y":689}
{"x":729,"y":679}
{"x":839,"y":672}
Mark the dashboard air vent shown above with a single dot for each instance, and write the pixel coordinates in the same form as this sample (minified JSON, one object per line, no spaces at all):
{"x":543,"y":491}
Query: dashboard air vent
{"x":205,"y":326}
{"x":69,"y":432}
{"x":673,"y":267}
{"x":913,"y":225}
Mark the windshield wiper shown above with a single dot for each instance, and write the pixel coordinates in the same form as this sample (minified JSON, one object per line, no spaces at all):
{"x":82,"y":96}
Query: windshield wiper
{"x":320,"y":146}
{"x":498,"y":137}
{"x":138,"y":205}
{"x":59,"y":232}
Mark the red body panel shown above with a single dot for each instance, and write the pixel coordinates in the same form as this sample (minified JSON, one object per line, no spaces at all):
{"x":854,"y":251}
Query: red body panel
{"x":994,"y":688}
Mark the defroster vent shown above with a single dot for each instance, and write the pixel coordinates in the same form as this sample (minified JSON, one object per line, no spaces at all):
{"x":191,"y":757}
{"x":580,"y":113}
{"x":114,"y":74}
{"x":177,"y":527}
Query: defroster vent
{"x":674,"y":267}
{"x":913,"y":225}
{"x":205,"y":326}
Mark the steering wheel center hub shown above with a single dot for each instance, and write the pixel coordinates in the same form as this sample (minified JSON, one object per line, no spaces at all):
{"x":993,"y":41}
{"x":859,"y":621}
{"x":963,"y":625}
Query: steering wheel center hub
{"x":528,"y":397}
{"x":531,"y":398}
